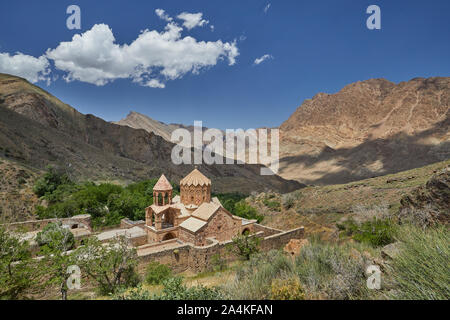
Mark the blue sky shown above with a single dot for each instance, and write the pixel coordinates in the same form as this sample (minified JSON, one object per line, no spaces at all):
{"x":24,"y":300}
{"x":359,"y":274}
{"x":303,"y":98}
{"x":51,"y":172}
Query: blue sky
{"x":314,"y":46}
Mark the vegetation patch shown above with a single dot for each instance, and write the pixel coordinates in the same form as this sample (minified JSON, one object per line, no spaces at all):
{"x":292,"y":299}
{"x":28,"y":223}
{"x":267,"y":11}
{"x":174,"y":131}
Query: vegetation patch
{"x":420,"y":271}
{"x":156,"y":273}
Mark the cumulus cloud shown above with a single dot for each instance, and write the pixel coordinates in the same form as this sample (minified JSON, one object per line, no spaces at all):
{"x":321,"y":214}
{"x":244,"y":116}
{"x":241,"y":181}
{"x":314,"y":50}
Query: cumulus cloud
{"x":163,"y":15}
{"x":267,"y":7}
{"x":151,"y":59}
{"x":154,"y":83}
{"x":262,"y":59}
{"x":192,"y":20}
{"x":25,"y":66}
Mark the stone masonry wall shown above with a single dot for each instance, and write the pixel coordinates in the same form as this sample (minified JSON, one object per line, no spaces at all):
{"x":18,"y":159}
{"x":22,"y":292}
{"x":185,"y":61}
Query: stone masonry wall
{"x":35,"y":225}
{"x":222,"y":226}
{"x":198,"y":259}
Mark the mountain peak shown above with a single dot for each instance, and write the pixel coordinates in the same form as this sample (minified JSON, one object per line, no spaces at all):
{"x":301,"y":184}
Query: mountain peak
{"x":373,"y":126}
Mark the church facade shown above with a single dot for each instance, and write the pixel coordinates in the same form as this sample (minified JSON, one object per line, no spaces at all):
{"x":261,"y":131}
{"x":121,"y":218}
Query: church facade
{"x":193,"y":216}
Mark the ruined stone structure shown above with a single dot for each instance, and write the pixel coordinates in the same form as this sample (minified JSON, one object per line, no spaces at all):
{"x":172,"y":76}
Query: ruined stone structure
{"x":193,"y":216}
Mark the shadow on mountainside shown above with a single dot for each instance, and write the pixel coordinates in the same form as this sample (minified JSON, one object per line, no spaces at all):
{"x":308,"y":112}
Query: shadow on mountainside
{"x":397,"y":153}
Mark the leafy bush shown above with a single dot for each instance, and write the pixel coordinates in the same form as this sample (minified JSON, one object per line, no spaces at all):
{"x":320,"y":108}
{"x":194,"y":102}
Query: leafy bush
{"x":174,"y":289}
{"x":50,"y":182}
{"x":274,"y":205}
{"x":137,"y":293}
{"x":375,"y":232}
{"x":420,"y":270}
{"x":156,"y":273}
{"x":287,"y":289}
{"x":229,"y":200}
{"x":55,"y":230}
{"x":244,"y":210}
{"x":235,"y":203}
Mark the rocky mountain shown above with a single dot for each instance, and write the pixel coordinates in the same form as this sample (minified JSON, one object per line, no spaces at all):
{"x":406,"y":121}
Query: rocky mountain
{"x":37,"y":129}
{"x":138,"y":120}
{"x":367,"y":129}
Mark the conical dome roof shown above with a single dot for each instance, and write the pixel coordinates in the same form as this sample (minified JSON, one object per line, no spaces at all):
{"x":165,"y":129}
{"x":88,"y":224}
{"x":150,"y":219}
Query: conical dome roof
{"x":195,"y":178}
{"x":163,"y":184}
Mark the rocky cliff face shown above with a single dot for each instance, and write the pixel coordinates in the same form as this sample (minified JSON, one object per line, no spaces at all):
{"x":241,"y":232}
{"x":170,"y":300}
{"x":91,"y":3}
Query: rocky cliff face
{"x":431,"y":201}
{"x":37,"y":129}
{"x":367,"y":129}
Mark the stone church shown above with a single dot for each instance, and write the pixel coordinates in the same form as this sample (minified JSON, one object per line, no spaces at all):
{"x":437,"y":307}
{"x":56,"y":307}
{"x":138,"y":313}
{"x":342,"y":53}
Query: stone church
{"x":193,"y":216}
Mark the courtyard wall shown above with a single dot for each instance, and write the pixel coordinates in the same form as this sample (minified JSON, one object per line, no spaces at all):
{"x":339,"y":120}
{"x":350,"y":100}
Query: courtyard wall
{"x":186,"y":256}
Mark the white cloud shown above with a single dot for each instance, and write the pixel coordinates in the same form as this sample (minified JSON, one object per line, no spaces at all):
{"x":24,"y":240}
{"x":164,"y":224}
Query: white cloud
{"x":192,"y":20}
{"x":149,"y":60}
{"x":267,"y":7}
{"x":154,"y":83}
{"x":25,"y":66}
{"x":162,"y":14}
{"x":263,"y":58}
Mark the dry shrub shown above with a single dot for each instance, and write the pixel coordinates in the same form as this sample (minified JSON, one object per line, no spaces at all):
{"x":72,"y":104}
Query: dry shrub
{"x":288,"y":200}
{"x":363,"y":213}
{"x":331,"y":271}
{"x":254,"y":278}
{"x":287,"y":289}
{"x":420,"y":217}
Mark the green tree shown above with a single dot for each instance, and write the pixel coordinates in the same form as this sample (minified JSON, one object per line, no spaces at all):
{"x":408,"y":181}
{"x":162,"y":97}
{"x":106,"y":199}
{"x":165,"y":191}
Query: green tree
{"x":52,"y":231}
{"x":15,"y":266}
{"x":51,"y":180}
{"x":57,"y":259}
{"x":244,"y":210}
{"x":245,"y":245}
{"x":111,"y":265}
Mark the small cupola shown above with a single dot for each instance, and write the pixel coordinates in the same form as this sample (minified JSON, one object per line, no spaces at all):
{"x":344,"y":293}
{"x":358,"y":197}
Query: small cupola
{"x":162,"y":192}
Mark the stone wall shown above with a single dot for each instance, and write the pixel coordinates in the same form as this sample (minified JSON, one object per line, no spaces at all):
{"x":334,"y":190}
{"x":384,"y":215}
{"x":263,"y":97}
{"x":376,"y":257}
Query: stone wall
{"x":187,"y":236}
{"x":175,"y":258}
{"x":278,"y":241}
{"x":267,"y":231}
{"x":222,"y":226}
{"x":128,"y":224}
{"x":197,"y":259}
{"x":138,"y":241}
{"x":36,"y":225}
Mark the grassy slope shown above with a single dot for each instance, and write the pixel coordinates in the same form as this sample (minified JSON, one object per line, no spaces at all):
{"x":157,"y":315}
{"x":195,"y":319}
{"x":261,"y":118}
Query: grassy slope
{"x":318,"y":208}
